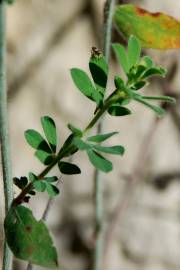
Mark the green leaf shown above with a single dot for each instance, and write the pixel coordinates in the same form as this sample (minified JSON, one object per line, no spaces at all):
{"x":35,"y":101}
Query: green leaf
{"x":81,"y":145}
{"x":44,"y":157}
{"x":158,"y":110}
{"x":119,"y":83}
{"x":148,"y":61}
{"x":115,"y":150}
{"x":121,"y":56}
{"x":39,"y":185}
{"x":154,"y":30}
{"x":52,"y":190}
{"x":101,"y":137}
{"x":99,"y":161}
{"x":84,"y":84}
{"x":76,"y":131}
{"x":51,"y":179}
{"x":20,"y":183}
{"x":68,"y":168}
{"x":36,"y":141}
{"x":99,"y":71}
{"x":28,"y":238}
{"x":134,"y":51}
{"x":67,"y":144}
{"x":162,"y":98}
{"x":139,"y":71}
{"x":49,"y":128}
{"x":154,"y":71}
{"x":117,"y":110}
{"x":32,"y":177}
{"x":139,"y":85}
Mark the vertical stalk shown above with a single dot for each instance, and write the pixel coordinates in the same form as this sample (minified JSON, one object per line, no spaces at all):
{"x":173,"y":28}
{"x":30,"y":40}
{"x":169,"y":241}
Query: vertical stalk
{"x":4,"y":138}
{"x":98,"y":179}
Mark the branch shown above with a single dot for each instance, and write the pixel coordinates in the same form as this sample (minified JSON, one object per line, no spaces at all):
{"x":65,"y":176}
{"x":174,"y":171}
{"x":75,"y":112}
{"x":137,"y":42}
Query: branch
{"x":98,"y":180}
{"x":4,"y":136}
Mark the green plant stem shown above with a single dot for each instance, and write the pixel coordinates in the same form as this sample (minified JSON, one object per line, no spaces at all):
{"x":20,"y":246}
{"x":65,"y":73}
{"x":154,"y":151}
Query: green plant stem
{"x":4,"y":137}
{"x":98,"y":179}
{"x":70,"y":148}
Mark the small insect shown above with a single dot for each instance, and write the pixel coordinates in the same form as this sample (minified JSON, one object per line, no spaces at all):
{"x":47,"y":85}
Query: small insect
{"x":95,"y":52}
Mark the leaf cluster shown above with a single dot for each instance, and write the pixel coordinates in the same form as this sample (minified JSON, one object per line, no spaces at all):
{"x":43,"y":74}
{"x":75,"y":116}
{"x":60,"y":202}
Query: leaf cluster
{"x":94,"y":150}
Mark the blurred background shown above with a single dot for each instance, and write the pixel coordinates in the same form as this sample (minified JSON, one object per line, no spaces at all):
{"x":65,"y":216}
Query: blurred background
{"x":142,"y":194}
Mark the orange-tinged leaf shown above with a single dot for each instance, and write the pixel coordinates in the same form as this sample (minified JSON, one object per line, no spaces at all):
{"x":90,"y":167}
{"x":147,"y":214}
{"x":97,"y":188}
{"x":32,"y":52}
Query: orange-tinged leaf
{"x":155,"y":30}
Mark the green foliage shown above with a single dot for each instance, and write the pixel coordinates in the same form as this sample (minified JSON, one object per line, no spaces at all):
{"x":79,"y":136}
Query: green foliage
{"x":122,"y":57}
{"x":45,"y":150}
{"x":134,"y":51}
{"x":68,"y":168}
{"x":44,"y":184}
{"x":45,"y":157}
{"x":99,"y":161}
{"x":28,"y":238}
{"x":76,"y":131}
{"x":93,"y":149}
{"x":20,"y":223}
{"x":99,"y":71}
{"x":115,"y":150}
{"x":101,"y":137}
{"x":117,"y":110}
{"x":49,"y":128}
{"x":84,"y":84}
{"x":138,"y":70}
{"x":35,"y":140}
{"x":20,"y":182}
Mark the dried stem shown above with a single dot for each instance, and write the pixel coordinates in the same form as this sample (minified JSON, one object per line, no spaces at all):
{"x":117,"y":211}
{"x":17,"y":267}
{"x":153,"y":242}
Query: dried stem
{"x":4,"y":137}
{"x":98,"y":179}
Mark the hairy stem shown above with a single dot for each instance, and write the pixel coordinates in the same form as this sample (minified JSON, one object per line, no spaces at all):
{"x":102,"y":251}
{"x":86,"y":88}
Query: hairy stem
{"x":4,"y":137}
{"x":98,"y":180}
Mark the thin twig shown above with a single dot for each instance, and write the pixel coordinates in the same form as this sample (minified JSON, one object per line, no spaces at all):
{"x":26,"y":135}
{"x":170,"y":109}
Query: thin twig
{"x":4,"y":137}
{"x":98,"y":179}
